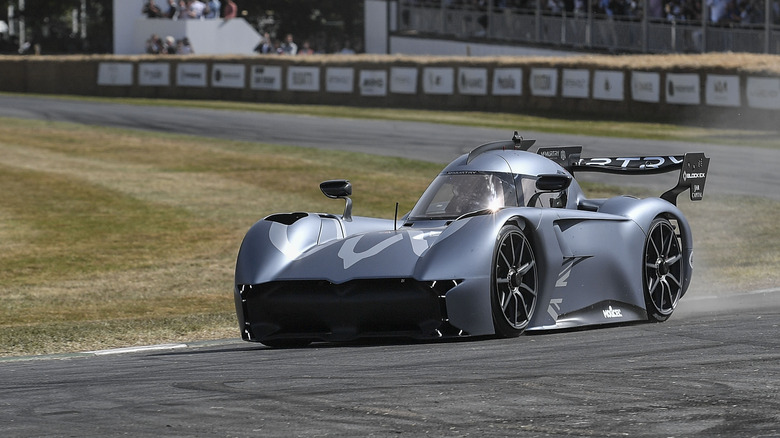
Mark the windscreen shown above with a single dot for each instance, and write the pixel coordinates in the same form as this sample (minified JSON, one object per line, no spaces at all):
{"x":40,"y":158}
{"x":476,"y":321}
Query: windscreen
{"x":451,"y":195}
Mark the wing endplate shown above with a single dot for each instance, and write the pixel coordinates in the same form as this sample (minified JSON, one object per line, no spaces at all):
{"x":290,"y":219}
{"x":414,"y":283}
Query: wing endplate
{"x":693,"y":175}
{"x":565,"y":156}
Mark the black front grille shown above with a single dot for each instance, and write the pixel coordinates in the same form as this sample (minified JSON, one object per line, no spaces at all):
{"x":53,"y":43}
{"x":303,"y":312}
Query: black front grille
{"x":323,"y":310}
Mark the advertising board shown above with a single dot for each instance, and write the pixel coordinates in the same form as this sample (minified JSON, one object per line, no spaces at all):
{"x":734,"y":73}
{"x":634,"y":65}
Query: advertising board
{"x":266,"y":77}
{"x":543,"y":82}
{"x":303,"y":78}
{"x":154,"y":74}
{"x":115,"y":73}
{"x":646,"y":86}
{"x":373,"y":82}
{"x":191,"y":74}
{"x":507,"y":82}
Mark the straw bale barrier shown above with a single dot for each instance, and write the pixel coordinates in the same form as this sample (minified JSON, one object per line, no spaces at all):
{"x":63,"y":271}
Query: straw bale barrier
{"x":731,"y":87}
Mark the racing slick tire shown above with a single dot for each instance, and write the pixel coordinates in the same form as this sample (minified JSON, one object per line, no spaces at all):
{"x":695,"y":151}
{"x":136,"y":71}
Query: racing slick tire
{"x":514,"y":282}
{"x":663,"y":270}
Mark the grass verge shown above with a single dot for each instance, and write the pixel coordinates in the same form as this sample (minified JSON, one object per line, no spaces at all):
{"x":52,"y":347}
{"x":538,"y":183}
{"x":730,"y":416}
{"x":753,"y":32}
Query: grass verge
{"x":112,"y":237}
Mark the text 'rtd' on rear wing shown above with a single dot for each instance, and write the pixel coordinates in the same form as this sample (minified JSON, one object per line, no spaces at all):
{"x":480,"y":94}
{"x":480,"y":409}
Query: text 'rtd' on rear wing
{"x":692,"y":166}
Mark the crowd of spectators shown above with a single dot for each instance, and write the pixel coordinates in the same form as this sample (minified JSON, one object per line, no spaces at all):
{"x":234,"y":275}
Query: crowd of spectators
{"x":168,"y":46}
{"x":288,"y":46}
{"x":721,"y":12}
{"x":226,"y":9}
{"x":156,"y":45}
{"x":183,"y":10}
{"x":190,"y":9}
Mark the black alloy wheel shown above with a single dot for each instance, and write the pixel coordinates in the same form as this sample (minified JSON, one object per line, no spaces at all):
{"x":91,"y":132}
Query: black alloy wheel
{"x":514,"y":282}
{"x":663,"y":270}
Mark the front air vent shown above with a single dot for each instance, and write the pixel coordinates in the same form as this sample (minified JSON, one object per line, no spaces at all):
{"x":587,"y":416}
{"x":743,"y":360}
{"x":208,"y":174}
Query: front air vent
{"x":286,"y":218}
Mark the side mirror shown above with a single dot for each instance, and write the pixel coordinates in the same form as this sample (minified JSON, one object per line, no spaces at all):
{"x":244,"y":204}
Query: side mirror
{"x":339,"y":189}
{"x":550,"y":183}
{"x":553,"y":182}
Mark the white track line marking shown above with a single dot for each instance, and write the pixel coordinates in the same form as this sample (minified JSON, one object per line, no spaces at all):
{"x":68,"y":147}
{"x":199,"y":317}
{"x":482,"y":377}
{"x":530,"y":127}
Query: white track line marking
{"x":136,"y":349}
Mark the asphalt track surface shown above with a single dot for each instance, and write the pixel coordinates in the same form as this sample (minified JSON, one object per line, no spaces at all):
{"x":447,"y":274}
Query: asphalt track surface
{"x":712,"y":370}
{"x":700,"y":374}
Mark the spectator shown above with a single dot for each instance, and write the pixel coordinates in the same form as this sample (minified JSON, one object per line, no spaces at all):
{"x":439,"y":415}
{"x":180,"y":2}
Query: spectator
{"x":266,"y":46}
{"x":196,"y":9}
{"x":183,"y":12}
{"x":733,"y":14}
{"x":750,"y":12}
{"x":605,"y":7}
{"x":555,"y":6}
{"x":306,"y":49}
{"x":655,"y":9}
{"x":347,"y":49}
{"x":184,"y":47}
{"x":581,"y":8}
{"x":173,"y":10}
{"x":169,"y":46}
{"x":674,"y":11}
{"x":718,"y":9}
{"x":289,"y":47}
{"x":151,"y":10}
{"x":231,"y":10}
{"x":214,"y":7}
{"x":154,"y":45}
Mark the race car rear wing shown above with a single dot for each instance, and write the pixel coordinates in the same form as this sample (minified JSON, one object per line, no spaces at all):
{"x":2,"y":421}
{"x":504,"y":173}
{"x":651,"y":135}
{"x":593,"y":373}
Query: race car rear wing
{"x":692,"y":166}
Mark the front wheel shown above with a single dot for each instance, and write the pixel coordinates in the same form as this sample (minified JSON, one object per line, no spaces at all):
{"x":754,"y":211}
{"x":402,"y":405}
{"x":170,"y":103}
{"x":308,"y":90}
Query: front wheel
{"x":663,"y":270}
{"x":514,"y":282}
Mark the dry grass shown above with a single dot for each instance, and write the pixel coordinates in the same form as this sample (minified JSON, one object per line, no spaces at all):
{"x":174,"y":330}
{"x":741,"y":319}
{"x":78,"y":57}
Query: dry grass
{"x":113,"y":238}
{"x":103,"y":229}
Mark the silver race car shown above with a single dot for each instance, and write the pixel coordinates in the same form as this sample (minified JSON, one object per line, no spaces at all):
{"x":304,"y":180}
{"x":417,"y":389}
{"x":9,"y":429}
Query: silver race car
{"x":502,"y":241}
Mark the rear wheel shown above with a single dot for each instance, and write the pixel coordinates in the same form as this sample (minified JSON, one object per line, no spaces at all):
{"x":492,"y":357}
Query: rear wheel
{"x":514,"y":282}
{"x":663,"y":270}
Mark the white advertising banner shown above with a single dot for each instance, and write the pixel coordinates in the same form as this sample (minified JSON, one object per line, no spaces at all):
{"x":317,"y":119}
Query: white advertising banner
{"x":339,"y":79}
{"x":763,"y":93}
{"x":507,"y":82}
{"x":646,"y":86}
{"x":575,"y":83}
{"x":722,"y":90}
{"x":472,"y":81}
{"x":683,"y":88}
{"x":191,"y":75}
{"x":228,"y":76}
{"x":303,"y":78}
{"x":154,"y":74}
{"x":266,"y":77}
{"x":438,"y":80}
{"x":543,"y":82}
{"x":373,"y":82}
{"x":403,"y":80}
{"x":608,"y":85}
{"x":115,"y":73}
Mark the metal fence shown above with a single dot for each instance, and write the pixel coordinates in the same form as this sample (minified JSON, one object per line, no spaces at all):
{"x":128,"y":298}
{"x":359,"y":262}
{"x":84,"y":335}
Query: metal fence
{"x":587,"y":27}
